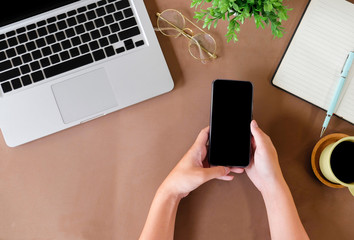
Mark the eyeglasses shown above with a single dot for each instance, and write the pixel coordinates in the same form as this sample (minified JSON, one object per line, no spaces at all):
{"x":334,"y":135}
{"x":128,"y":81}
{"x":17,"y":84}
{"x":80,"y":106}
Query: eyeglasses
{"x":172,"y":23}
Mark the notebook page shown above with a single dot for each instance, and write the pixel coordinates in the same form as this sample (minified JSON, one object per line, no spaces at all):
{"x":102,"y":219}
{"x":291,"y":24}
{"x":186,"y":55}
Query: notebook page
{"x":312,"y":64}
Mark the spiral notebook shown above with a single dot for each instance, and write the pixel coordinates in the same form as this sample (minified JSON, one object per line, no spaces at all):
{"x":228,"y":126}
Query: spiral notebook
{"x":311,"y":66}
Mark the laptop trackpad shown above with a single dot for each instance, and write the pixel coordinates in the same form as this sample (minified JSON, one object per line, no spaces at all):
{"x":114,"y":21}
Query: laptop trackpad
{"x":84,"y":96}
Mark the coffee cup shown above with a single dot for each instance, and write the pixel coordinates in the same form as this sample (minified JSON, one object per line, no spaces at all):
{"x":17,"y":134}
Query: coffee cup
{"x":337,"y":162}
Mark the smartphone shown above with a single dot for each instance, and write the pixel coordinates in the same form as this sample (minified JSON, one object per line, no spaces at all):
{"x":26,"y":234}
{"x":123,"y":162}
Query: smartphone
{"x":231,"y":115}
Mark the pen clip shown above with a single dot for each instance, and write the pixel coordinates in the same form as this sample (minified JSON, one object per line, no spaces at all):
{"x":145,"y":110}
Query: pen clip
{"x":344,"y":63}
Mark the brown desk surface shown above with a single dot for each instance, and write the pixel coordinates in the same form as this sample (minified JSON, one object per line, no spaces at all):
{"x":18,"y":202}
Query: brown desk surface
{"x":97,"y":180}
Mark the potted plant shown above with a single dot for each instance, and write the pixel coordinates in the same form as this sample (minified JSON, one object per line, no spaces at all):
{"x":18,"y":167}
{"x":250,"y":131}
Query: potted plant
{"x":264,"y":12}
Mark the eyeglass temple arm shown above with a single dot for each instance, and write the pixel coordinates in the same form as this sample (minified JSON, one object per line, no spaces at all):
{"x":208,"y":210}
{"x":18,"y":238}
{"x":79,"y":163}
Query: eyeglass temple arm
{"x":186,"y":34}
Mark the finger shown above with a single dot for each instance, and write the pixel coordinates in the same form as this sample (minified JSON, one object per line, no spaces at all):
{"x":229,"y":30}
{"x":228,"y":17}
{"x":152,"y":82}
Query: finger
{"x":216,"y":172}
{"x":202,"y":137}
{"x":258,"y":134}
{"x":237,"y":170}
{"x":226,"y":178}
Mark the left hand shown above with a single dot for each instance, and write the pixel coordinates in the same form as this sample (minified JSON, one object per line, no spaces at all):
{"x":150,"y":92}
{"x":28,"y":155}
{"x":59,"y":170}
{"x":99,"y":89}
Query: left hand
{"x":189,"y":173}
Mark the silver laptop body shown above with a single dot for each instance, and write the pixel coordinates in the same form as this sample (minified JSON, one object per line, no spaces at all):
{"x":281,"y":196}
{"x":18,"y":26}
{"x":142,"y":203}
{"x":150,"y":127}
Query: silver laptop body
{"x":50,"y":83}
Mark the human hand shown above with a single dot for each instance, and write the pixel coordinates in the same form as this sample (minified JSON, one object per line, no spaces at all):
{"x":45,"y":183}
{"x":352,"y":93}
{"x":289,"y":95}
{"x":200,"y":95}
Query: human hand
{"x":193,"y":170}
{"x":264,"y":170}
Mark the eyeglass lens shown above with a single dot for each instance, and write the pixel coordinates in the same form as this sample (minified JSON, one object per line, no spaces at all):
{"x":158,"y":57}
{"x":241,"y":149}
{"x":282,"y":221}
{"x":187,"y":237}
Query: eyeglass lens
{"x":173,"y":17}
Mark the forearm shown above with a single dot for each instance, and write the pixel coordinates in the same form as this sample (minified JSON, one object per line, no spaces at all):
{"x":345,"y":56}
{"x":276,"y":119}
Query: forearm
{"x":283,"y":217}
{"x":162,"y":215}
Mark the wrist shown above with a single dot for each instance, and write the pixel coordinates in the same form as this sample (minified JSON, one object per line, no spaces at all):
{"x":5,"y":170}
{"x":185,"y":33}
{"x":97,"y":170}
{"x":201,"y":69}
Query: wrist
{"x":274,"y":188}
{"x":168,"y":194}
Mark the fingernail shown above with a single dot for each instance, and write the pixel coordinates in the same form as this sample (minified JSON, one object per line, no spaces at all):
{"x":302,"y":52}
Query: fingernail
{"x":255,"y":124}
{"x":227,"y":170}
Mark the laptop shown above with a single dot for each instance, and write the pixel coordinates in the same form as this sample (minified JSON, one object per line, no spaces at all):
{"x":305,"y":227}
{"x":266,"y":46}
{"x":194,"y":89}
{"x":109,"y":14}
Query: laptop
{"x":65,"y":62}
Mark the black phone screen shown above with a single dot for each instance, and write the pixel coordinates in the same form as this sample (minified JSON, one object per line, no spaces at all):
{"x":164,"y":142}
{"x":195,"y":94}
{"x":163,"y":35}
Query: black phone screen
{"x":231,"y":115}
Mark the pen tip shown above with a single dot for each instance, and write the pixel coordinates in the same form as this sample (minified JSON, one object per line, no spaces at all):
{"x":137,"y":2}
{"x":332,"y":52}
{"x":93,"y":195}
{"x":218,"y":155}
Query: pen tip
{"x":322,"y":132}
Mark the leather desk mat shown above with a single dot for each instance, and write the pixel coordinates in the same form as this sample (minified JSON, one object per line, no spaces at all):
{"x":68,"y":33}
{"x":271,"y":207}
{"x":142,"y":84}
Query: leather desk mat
{"x":97,"y":180}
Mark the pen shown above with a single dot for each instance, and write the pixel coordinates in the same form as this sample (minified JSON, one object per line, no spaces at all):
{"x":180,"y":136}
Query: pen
{"x":343,"y":76}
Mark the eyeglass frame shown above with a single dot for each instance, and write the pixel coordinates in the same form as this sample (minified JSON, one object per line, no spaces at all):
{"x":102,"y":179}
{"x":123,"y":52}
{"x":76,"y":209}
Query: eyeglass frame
{"x":185,"y":34}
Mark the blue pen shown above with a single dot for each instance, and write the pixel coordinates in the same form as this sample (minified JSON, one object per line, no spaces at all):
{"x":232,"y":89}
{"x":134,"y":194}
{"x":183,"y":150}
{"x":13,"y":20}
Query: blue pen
{"x":343,"y":77}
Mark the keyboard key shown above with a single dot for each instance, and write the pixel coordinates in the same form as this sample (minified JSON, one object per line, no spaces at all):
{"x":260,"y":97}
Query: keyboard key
{"x":127,"y":23}
{"x":139,"y":43}
{"x":41,"y":42}
{"x":99,"y":22}
{"x":98,"y":55}
{"x":68,"y":65}
{"x":10,"y":52}
{"x":114,"y":27}
{"x":16,"y":83}
{"x":70,"y":32}
{"x":118,"y":16}
{"x":105,"y":31}
{"x":85,"y":38}
{"x":30,"y":46}
{"x":35,"y":66}
{"x":79,"y":29}
{"x":122,"y":4}
{"x":109,"y":51}
{"x":41,"y":23}
{"x":81,"y":18}
{"x":52,"y":28}
{"x":25,"y":69}
{"x":71,"y":13}
{"x":11,"y":33}
{"x":32,"y":35}
{"x":95,"y":34}
{"x":6,"y":87}
{"x":13,"y":73}
{"x":109,"y":19}
{"x":89,"y":26}
{"x":94,"y":45}
{"x":129,"y":33}
{"x":66,"y":44}
{"x":12,"y":41}
{"x":42,"y":31}
{"x":36,"y":54}
{"x":2,"y":56}
{"x":21,"y":49}
{"x":3,"y":45}
{"x":91,"y":6}
{"x":76,"y":41}
{"x":56,"y":48}
{"x":45,"y":62}
{"x":64,"y":55}
{"x":26,"y":58}
{"x":100,"y":11}
{"x":120,"y":50}
{"x":16,"y":61}
{"x":71,"y":21}
{"x":62,"y":25}
{"x":46,"y":51}
{"x":84,"y":48}
{"x":37,"y":76}
{"x":54,"y":58}
{"x":82,"y":9}
{"x":61,"y":16}
{"x":113,"y":38}
{"x":51,"y":20}
{"x":110,"y":8}
{"x":60,"y":36}
{"x":22,"y":38}
{"x":128,"y":12}
{"x":50,"y":39}
{"x":26,"y":80}
{"x":91,"y":15}
{"x":74,"y":52}
{"x":129,"y":44}
{"x":103,"y":42}
{"x":5,"y":65}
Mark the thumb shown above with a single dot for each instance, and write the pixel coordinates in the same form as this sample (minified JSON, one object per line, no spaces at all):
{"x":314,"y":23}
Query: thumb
{"x":218,"y":172}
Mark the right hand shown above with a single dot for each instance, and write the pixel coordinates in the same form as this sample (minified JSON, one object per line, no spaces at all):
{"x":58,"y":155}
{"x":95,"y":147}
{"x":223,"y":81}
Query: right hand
{"x":263,"y":170}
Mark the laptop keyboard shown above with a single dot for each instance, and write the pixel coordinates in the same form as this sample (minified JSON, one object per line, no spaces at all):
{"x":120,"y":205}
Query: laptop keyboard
{"x":67,"y":41}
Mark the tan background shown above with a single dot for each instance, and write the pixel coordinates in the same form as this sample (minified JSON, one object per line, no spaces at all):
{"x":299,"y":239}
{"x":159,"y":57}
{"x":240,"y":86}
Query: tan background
{"x":97,"y":180}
